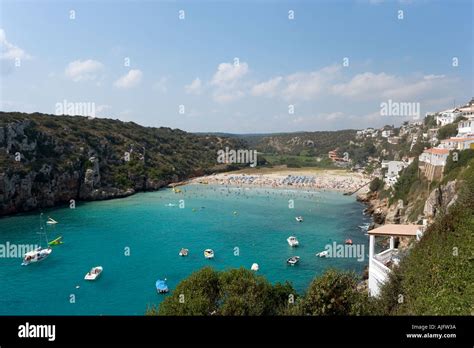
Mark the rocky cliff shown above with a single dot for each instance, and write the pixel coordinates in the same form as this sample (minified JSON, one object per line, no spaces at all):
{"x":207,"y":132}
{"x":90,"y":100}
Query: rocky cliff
{"x":48,"y":160}
{"x":439,"y":200}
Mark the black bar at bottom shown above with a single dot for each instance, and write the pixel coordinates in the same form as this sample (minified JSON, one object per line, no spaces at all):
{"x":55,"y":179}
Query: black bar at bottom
{"x":240,"y":330}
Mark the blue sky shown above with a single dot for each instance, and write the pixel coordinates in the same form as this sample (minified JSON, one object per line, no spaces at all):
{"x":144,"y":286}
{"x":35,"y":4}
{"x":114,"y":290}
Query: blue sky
{"x":280,"y":61}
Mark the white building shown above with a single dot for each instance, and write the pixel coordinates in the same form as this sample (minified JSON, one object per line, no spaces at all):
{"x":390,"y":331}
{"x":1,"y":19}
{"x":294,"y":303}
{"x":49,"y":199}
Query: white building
{"x":365,"y":132}
{"x":424,"y":157}
{"x":447,"y":117}
{"x":386,"y":133}
{"x":380,"y":264}
{"x":468,"y":109}
{"x":432,"y":162}
{"x":466,"y":127}
{"x":457,"y":143}
{"x":393,"y":168}
{"x":434,"y":156}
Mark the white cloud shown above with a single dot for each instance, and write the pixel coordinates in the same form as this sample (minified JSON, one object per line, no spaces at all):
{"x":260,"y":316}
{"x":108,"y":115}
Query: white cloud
{"x":227,"y":96}
{"x":227,"y":82}
{"x":310,"y":85}
{"x":79,"y":70}
{"x":160,"y":85}
{"x":410,"y":90}
{"x":9,"y":51}
{"x":369,"y":86}
{"x":365,"y":85}
{"x":227,"y":74}
{"x":433,"y":77}
{"x":267,"y":88}
{"x":195,"y":87}
{"x":130,"y":79}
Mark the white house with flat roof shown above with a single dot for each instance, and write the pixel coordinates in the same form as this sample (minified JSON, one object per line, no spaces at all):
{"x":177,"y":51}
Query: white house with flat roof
{"x":466,"y":128}
{"x":393,"y":169}
{"x":381,"y":263}
{"x":447,"y":117}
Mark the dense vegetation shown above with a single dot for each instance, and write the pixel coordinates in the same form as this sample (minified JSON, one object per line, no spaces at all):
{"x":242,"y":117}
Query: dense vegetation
{"x":242,"y":292}
{"x":160,"y":153}
{"x":447,"y":131}
{"x":232,"y":292}
{"x":406,"y":183}
{"x":437,"y":277}
{"x":47,"y":160}
{"x":302,"y":143}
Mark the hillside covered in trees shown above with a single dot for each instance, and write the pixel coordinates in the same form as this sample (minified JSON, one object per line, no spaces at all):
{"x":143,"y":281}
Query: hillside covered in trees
{"x":47,"y":160}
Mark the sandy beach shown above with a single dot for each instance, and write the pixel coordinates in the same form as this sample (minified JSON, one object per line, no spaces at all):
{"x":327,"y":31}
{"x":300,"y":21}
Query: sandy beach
{"x":304,"y":178}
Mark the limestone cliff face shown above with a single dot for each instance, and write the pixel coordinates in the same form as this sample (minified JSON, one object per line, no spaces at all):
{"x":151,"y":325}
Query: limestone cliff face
{"x":48,"y":160}
{"x":394,"y":213}
{"x":440,"y":199}
{"x":28,"y":183}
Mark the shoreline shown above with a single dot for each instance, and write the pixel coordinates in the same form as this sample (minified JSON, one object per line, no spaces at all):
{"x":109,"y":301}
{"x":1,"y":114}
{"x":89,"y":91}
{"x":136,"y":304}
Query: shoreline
{"x":326,"y":180}
{"x":272,"y":178}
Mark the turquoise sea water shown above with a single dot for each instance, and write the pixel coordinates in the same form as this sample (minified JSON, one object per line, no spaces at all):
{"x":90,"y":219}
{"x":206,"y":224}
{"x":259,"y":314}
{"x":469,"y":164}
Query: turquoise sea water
{"x":98,"y":233}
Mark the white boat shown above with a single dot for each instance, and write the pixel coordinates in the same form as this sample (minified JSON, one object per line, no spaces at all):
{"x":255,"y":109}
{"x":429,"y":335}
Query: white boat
{"x":209,"y":254}
{"x":322,"y":253}
{"x":299,"y":218}
{"x":292,"y":241}
{"x":36,"y":255}
{"x":39,"y":253}
{"x":254,"y":267}
{"x":51,"y":221}
{"x":293,"y":260}
{"x":184,"y":252}
{"x":94,"y":273}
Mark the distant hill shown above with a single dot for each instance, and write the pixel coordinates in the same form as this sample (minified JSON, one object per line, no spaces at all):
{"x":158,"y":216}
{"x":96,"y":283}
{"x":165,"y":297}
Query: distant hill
{"x":295,"y":143}
{"x":47,"y":160}
{"x":301,"y":143}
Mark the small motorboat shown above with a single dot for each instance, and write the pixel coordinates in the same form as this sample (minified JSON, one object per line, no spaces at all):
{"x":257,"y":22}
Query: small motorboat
{"x":299,"y":218}
{"x":254,"y":267}
{"x":37,"y":255}
{"x":209,"y":254}
{"x":51,"y":221}
{"x":161,"y":286}
{"x":94,"y":273}
{"x":184,"y":252}
{"x":293,"y":260}
{"x":348,"y":242}
{"x":323,"y":253}
{"x":292,"y":241}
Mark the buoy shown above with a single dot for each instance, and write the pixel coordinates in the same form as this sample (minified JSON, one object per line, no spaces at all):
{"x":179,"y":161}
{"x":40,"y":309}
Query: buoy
{"x":254,"y":267}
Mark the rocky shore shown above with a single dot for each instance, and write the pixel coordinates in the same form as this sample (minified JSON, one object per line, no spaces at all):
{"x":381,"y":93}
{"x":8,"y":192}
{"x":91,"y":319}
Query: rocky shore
{"x":439,"y":200}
